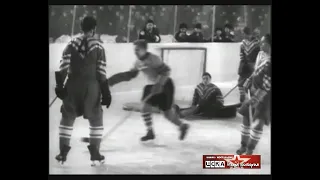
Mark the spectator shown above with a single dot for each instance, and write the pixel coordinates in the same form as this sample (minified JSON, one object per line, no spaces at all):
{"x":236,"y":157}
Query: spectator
{"x":181,"y":35}
{"x":197,"y":35}
{"x":228,"y":35}
{"x":150,"y":33}
{"x":256,"y":33}
{"x":218,"y":35}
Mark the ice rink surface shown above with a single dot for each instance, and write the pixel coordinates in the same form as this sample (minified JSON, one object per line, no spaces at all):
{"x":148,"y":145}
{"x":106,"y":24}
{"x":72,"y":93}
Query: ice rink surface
{"x":167,"y":155}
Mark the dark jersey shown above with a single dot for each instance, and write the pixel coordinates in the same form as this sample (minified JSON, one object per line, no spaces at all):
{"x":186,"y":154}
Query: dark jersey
{"x":84,"y":58}
{"x":248,"y":55}
{"x":207,"y":95}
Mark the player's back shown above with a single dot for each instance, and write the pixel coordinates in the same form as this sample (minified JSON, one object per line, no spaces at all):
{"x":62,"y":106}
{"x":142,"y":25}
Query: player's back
{"x":85,"y":52}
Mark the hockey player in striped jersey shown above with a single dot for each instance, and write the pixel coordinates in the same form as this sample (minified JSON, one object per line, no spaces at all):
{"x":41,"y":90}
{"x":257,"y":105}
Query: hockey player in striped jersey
{"x":84,"y":64}
{"x":158,"y":94}
{"x":207,"y":100}
{"x":260,"y":87}
{"x":249,"y":50}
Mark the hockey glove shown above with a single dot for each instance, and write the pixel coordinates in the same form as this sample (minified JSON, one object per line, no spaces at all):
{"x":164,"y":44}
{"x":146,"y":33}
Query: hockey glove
{"x":60,"y":91}
{"x":247,"y":84}
{"x":106,"y":94}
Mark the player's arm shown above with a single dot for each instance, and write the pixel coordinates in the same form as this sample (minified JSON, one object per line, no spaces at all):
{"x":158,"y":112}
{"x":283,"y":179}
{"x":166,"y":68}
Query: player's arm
{"x":242,"y":59}
{"x":195,"y":99}
{"x":262,"y":92}
{"x":124,"y":76}
{"x":102,"y":76}
{"x":219,"y":101}
{"x":62,"y":73}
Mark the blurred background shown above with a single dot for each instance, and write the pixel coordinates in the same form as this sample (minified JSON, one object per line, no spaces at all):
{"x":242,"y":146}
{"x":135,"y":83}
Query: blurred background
{"x":122,"y":23}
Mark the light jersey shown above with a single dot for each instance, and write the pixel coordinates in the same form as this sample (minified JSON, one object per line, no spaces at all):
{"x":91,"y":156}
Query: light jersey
{"x":261,"y":59}
{"x":152,"y":67}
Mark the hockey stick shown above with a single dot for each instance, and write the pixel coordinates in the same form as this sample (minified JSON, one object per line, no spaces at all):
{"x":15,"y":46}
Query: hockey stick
{"x":250,"y":109}
{"x":57,"y":96}
{"x":115,"y":127}
{"x":234,"y":88}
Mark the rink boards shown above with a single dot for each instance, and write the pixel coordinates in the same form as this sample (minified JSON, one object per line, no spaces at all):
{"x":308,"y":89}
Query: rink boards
{"x":187,"y":60}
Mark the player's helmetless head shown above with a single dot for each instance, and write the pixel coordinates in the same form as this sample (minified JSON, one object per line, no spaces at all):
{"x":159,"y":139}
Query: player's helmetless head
{"x":89,"y":25}
{"x":206,"y":78}
{"x":140,"y":48}
{"x":266,"y":43}
{"x":247,"y":32}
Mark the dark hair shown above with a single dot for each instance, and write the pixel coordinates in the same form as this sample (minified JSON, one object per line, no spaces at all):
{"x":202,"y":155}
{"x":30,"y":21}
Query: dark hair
{"x":88,"y":23}
{"x":198,"y":26}
{"x":206,"y":74}
{"x":141,"y":43}
{"x":183,"y":25}
{"x":247,"y":31}
{"x":268,"y":39}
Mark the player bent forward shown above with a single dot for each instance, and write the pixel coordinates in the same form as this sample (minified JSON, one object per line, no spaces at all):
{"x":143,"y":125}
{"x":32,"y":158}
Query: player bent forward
{"x":160,"y":94}
{"x":83,"y":61}
{"x":259,"y":84}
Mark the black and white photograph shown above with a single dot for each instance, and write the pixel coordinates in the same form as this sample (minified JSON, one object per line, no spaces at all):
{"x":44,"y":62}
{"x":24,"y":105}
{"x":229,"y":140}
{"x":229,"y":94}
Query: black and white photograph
{"x":160,"y":89}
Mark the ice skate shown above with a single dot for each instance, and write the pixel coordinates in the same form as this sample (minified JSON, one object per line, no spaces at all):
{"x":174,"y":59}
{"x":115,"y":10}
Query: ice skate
{"x":241,"y":150}
{"x":148,"y":137}
{"x":62,"y":157}
{"x":183,"y":131}
{"x":249,"y":152}
{"x":95,"y":155}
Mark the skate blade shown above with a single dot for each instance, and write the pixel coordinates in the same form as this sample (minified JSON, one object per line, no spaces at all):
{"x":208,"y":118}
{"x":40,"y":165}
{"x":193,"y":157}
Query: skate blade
{"x":61,"y":163}
{"x":93,"y":163}
{"x":148,"y":142}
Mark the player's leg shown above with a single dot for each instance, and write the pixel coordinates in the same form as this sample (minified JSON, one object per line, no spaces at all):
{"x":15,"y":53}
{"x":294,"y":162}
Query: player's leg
{"x":245,"y":129}
{"x":146,"y":113}
{"x":93,"y":112}
{"x":165,"y":102}
{"x":65,"y":129}
{"x":241,"y":88}
{"x":261,"y":117}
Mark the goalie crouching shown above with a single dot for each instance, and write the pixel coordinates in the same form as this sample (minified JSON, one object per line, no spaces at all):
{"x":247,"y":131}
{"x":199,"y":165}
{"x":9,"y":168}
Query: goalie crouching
{"x":207,"y":102}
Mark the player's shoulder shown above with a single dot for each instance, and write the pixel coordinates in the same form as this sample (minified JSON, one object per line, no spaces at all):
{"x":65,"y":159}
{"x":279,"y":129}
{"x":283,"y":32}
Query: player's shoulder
{"x":154,"y":57}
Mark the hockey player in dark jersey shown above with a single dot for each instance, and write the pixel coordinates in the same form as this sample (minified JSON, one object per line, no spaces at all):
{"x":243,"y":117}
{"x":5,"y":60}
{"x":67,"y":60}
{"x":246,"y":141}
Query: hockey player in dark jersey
{"x":260,"y":86}
{"x":159,"y":94}
{"x":84,"y":64}
{"x":249,"y":50}
{"x":207,"y":100}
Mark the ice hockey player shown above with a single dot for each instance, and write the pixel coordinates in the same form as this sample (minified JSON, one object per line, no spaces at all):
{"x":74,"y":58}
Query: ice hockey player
{"x":207,"y":100}
{"x":249,"y":50}
{"x":160,"y":94}
{"x":150,"y":33}
{"x":260,"y":86}
{"x":84,"y":63}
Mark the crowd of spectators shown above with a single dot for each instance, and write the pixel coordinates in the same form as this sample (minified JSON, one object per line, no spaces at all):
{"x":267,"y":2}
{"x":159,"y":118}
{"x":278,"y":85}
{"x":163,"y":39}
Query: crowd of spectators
{"x":193,"y":23}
